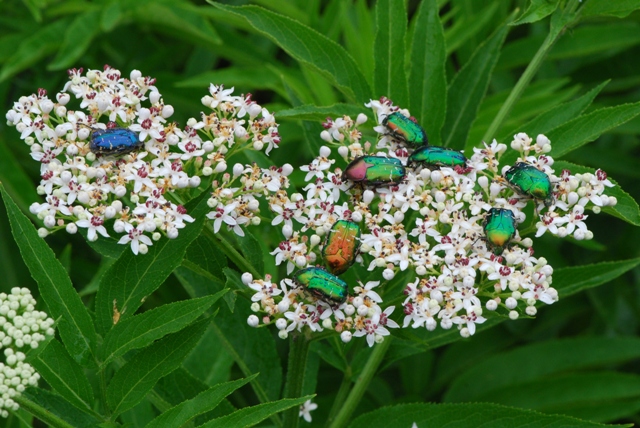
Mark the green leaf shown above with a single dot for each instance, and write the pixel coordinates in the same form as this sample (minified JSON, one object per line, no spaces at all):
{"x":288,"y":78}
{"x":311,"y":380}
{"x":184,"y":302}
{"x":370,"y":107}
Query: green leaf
{"x":560,"y":356}
{"x":308,"y":47}
{"x":600,"y":396}
{"x":250,"y":416}
{"x":468,"y":88}
{"x":538,"y":98}
{"x":178,"y":386}
{"x":34,"y":47}
{"x":571,"y":280}
{"x":75,"y":326}
{"x":204,"y":258}
{"x":54,"y":404}
{"x":626,"y":209}
{"x":358,"y":32}
{"x":181,"y":17}
{"x":251,"y":250}
{"x":467,"y":26}
{"x":111,"y":15}
{"x":204,"y":402}
{"x":253,"y":349}
{"x":77,"y":39}
{"x":15,"y":179}
{"x":585,"y":41}
{"x":135,"y":379}
{"x":617,"y":8}
{"x":427,"y":80}
{"x":389,"y":77}
{"x":586,"y":128}
{"x":132,"y":278}
{"x":320,"y":114}
{"x":463,"y":416}
{"x":141,"y":330}
{"x":537,"y":10}
{"x":64,"y":375}
{"x":210,"y":362}
{"x":554,"y":117}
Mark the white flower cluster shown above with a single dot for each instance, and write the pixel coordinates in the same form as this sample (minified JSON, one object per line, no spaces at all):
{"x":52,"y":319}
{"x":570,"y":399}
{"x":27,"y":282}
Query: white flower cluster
{"x":138,"y":195}
{"x":291,"y":308}
{"x":433,"y":223}
{"x":22,"y":326}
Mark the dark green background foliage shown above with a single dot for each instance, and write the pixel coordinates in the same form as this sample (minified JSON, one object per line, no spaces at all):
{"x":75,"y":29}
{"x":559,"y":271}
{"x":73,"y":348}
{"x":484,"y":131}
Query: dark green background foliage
{"x":455,"y":66}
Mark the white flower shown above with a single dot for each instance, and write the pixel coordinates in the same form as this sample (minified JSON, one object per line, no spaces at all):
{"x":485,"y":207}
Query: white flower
{"x":136,"y":236}
{"x":94,"y":225}
{"x":306,"y":409}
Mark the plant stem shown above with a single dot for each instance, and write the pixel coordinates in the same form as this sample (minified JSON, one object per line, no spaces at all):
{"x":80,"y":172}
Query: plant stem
{"x":41,"y":413}
{"x":362,"y":383}
{"x":341,"y":396}
{"x":524,"y":81}
{"x":298,"y":351}
{"x":230,"y":252}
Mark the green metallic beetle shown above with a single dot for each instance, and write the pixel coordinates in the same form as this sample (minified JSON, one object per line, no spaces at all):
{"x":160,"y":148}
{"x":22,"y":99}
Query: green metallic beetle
{"x":434,"y":156}
{"x":374,"y":170}
{"x":499,"y":227}
{"x":529,"y":181}
{"x":341,"y":246}
{"x":322,"y":284}
{"x":405,"y":129}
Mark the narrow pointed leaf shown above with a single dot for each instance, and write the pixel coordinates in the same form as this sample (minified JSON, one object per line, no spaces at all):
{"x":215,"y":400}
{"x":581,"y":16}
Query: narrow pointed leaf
{"x":180,"y":17}
{"x":599,"y":396}
{"x":559,"y":356}
{"x":390,"y":79}
{"x":617,"y":8}
{"x":320,"y":113}
{"x":15,"y":179}
{"x":468,"y":88}
{"x":133,"y":277}
{"x":35,"y":47}
{"x":56,"y":406}
{"x":136,"y":378}
{"x":427,"y":80}
{"x":64,"y":375}
{"x":587,"y":128}
{"x":553,"y":118}
{"x":464,"y":415}
{"x":253,"y":350}
{"x":141,"y":330}
{"x":250,"y":416}
{"x":203,"y":402}
{"x":571,"y":280}
{"x":308,"y":47}
{"x":537,"y":10}
{"x":75,"y":325}
{"x":77,"y":39}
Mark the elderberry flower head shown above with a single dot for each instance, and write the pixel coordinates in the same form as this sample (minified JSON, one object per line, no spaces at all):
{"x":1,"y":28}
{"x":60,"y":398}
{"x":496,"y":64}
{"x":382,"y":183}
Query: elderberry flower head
{"x":21,"y":326}
{"x":112,"y":163}
{"x":430,"y":224}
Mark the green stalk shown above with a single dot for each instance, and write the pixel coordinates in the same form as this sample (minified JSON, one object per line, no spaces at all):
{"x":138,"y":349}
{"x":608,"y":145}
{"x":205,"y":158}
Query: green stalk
{"x":41,"y":413}
{"x":298,"y":352}
{"x":362,"y":383}
{"x":531,"y":70}
{"x":341,"y":396}
{"x":230,"y":252}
